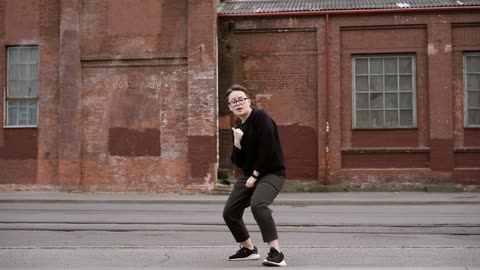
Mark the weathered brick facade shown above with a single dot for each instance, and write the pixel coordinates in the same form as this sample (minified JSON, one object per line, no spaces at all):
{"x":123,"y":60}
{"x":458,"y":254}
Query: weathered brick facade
{"x":128,"y":95}
{"x":283,"y":60}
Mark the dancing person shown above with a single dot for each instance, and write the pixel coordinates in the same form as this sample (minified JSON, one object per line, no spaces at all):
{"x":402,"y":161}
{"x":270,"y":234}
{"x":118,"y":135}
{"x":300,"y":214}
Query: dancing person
{"x":258,"y":153}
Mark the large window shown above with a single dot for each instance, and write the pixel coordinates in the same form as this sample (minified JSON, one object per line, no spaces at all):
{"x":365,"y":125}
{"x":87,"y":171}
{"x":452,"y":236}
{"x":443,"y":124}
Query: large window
{"x":472,"y":89}
{"x":22,"y":87}
{"x":384,"y":94}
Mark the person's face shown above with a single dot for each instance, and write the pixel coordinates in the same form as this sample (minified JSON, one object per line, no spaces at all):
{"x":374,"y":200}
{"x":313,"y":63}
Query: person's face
{"x":239,"y":103}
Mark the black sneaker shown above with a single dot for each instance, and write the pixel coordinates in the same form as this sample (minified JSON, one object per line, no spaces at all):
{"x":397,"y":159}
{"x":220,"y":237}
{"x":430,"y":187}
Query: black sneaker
{"x":244,"y":254}
{"x":275,"y":258}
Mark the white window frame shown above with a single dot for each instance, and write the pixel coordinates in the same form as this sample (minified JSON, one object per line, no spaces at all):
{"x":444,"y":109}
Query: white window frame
{"x":465,"y":90}
{"x":383,"y":92}
{"x":8,"y":98}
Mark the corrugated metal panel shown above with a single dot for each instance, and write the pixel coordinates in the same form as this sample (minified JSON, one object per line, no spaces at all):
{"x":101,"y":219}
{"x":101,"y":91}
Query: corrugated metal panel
{"x":271,"y":6}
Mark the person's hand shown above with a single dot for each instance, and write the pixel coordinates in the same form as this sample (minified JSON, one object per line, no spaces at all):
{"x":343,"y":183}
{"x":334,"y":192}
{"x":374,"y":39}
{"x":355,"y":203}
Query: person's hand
{"x":250,"y":182}
{"x":237,"y":137}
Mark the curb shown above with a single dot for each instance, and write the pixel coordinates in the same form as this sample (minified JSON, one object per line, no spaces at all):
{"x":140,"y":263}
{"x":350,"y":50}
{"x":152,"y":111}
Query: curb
{"x":222,"y":202}
{"x":441,"y":197}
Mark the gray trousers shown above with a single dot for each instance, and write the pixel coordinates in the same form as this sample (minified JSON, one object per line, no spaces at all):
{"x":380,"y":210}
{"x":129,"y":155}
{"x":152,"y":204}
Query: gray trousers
{"x":259,"y":198}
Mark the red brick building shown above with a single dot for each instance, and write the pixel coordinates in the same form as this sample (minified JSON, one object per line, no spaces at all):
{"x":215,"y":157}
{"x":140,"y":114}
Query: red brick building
{"x":123,"y":95}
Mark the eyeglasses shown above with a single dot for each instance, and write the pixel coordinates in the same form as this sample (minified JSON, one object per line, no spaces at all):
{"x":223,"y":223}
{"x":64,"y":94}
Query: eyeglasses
{"x":239,"y":101}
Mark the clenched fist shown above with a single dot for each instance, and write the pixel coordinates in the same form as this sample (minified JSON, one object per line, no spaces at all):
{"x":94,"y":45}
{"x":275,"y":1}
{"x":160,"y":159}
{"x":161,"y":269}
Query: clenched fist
{"x":237,"y":137}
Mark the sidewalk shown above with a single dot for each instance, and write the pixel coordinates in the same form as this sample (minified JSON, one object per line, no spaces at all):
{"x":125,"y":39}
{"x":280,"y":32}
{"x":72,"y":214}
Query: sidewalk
{"x":329,"y":198}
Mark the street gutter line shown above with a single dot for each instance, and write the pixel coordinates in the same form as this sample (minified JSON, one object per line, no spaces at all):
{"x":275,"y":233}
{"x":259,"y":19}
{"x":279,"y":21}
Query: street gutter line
{"x":222,"y":247}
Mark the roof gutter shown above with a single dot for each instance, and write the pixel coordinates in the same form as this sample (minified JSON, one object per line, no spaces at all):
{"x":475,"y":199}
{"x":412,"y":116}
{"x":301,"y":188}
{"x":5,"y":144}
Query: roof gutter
{"x":350,"y":11}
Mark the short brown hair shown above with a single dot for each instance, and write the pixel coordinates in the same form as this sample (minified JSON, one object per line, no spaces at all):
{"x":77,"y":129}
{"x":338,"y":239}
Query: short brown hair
{"x":236,"y":87}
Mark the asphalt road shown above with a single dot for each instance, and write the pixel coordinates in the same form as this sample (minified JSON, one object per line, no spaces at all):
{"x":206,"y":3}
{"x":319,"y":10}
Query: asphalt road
{"x":102,"y":235}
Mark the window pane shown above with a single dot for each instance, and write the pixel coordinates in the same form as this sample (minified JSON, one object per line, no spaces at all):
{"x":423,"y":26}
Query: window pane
{"x":14,"y":72}
{"x":28,"y":89}
{"x":390,"y":65}
{"x":376,"y":101}
{"x":12,"y":103}
{"x":473,"y":82}
{"x":13,"y":55}
{"x":361,"y":66}
{"x":406,"y":100}
{"x":34,"y":55}
{"x":406,"y":83}
{"x":473,"y":63}
{"x":23,"y":88}
{"x":376,"y":66}
{"x":361,"y":101}
{"x":391,"y":83}
{"x":391,"y":118}
{"x":473,"y":99}
{"x":23,"y":116}
{"x":405,"y":65}
{"x":24,"y":72}
{"x":376,"y":118}
{"x":362,"y":118}
{"x":32,"y":92}
{"x":12,"y":116}
{"x":406,"y":118}
{"x":34,"y":69}
{"x":12,"y":88}
{"x":28,"y":72}
{"x":361,"y":84}
{"x":32,"y":117}
{"x":474,"y":117}
{"x":26,"y":54}
{"x":376,"y":83}
{"x":391,"y":101}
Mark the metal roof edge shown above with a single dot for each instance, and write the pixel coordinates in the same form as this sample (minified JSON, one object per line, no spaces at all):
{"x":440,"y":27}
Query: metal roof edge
{"x":349,"y":11}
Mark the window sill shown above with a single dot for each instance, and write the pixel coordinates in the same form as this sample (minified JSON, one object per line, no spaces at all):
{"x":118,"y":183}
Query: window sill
{"x":11,"y":127}
{"x":382,"y":128}
{"x":467,"y":149}
{"x":386,"y":150}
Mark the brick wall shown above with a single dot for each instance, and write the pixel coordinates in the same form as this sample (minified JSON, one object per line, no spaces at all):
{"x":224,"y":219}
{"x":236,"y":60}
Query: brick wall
{"x":256,"y":52}
{"x":278,"y":62}
{"x":127,"y":95}
{"x":18,"y":147}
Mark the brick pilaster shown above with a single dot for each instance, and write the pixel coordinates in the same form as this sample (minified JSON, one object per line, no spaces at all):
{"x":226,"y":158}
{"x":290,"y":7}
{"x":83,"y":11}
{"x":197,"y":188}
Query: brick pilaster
{"x":47,"y":168}
{"x":440,"y":94}
{"x":202,"y":97}
{"x":69,"y":94}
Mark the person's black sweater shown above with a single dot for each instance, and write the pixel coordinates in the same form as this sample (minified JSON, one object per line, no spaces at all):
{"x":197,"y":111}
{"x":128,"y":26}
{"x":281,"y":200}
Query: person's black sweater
{"x":261,"y":148}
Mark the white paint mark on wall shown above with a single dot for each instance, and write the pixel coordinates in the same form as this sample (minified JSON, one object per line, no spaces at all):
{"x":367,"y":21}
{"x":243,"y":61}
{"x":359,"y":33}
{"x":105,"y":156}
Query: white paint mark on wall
{"x":133,"y":81}
{"x":431,"y":49}
{"x":263,"y":96}
{"x":205,"y":75}
{"x":210,"y":185}
{"x":448,"y":48}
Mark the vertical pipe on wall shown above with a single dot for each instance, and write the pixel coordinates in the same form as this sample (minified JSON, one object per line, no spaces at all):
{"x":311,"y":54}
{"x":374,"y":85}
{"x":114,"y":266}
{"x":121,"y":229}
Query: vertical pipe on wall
{"x":327,"y":85}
